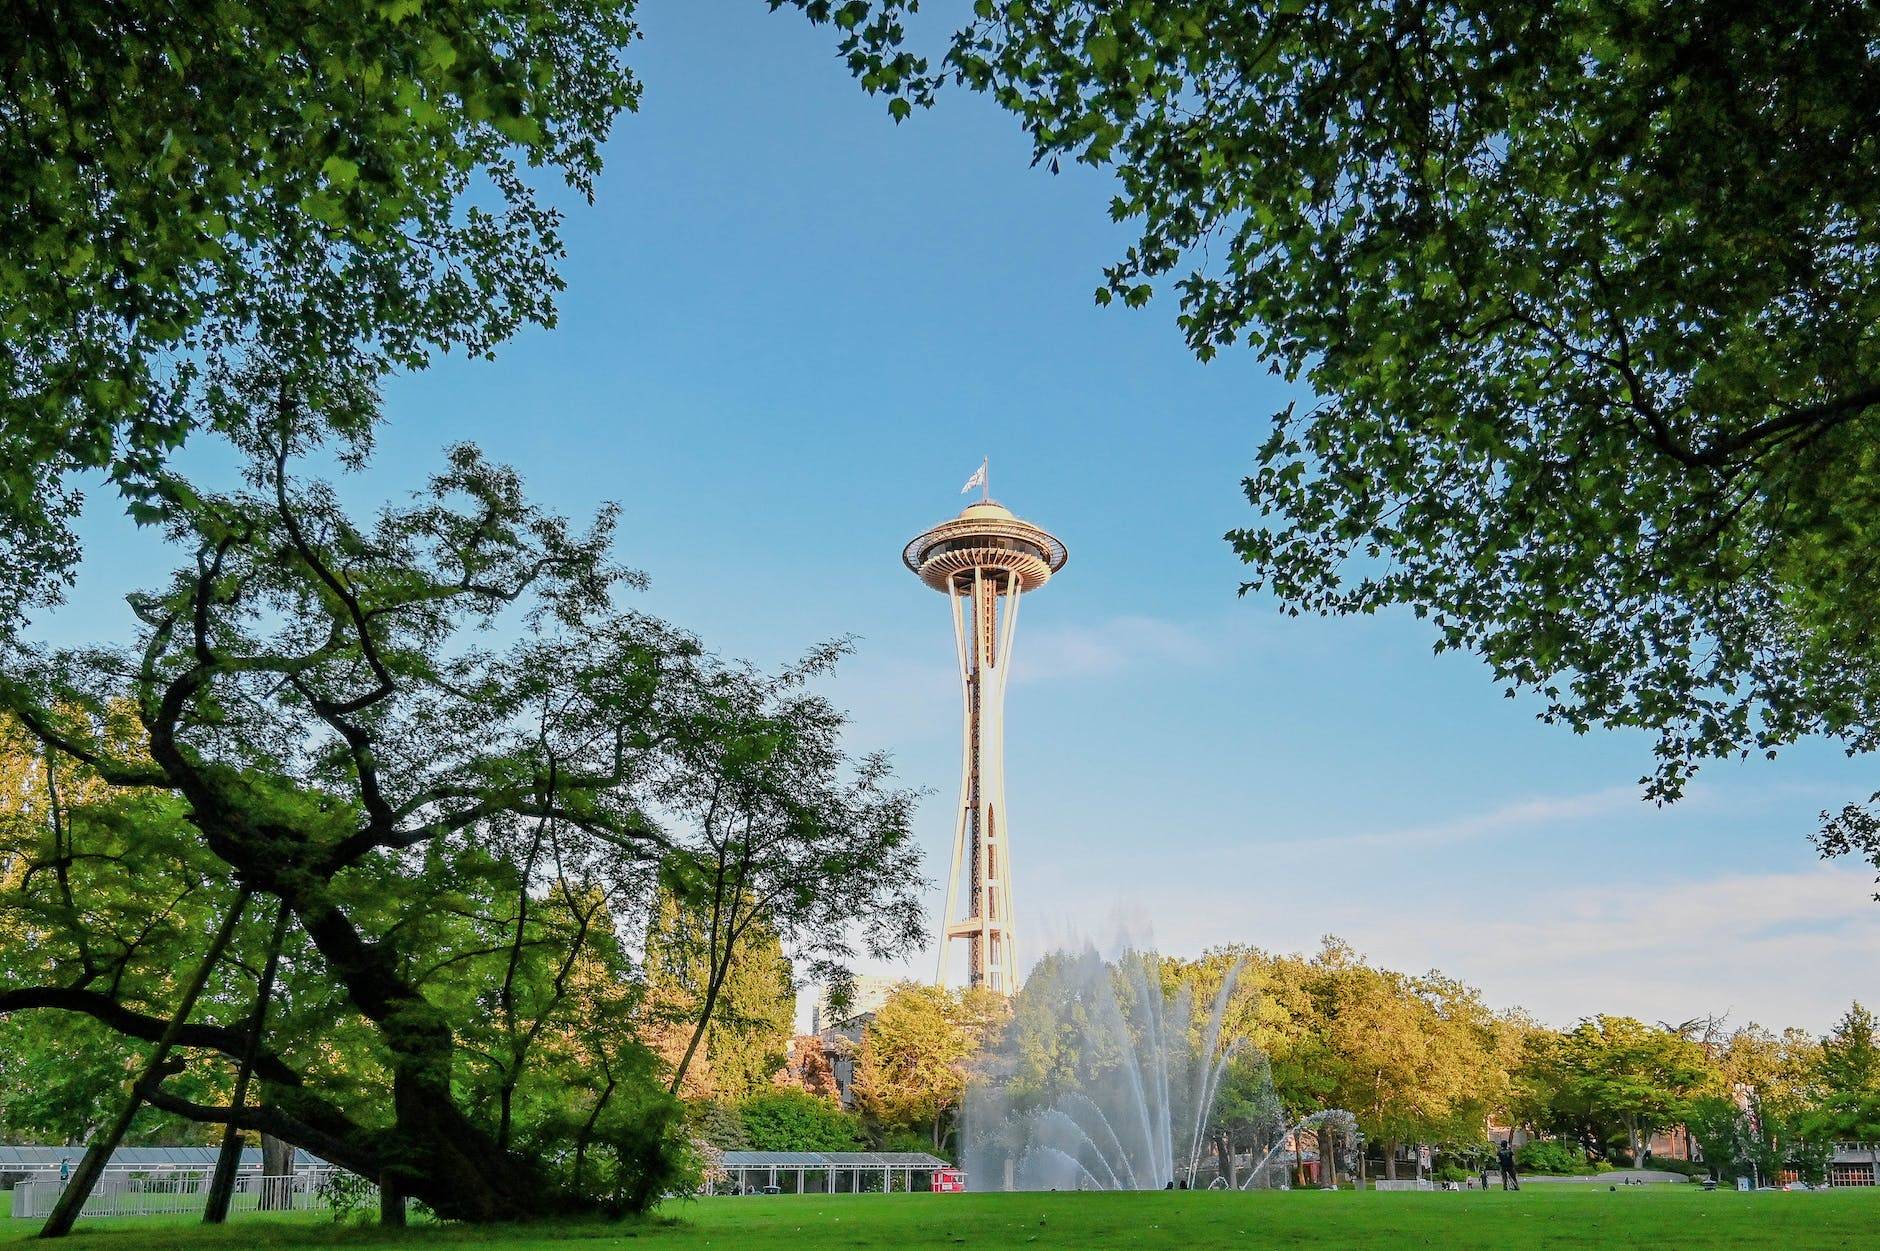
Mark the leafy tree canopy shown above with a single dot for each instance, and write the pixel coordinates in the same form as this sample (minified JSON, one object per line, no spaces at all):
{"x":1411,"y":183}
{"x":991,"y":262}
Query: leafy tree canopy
{"x":916,"y":1054}
{"x":344,"y":189}
{"x":791,"y":1120}
{"x":1615,"y":1078}
{"x":1848,"y":1067}
{"x":343,"y":186}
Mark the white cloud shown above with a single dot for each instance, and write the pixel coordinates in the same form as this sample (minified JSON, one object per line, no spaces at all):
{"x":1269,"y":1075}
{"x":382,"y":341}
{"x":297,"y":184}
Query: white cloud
{"x":1525,"y":814}
{"x":1783,"y":948}
{"x":1105,"y":648}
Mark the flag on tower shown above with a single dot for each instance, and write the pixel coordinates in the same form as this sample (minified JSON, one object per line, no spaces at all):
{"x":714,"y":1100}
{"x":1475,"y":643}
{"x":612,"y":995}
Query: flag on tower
{"x":977,"y":480}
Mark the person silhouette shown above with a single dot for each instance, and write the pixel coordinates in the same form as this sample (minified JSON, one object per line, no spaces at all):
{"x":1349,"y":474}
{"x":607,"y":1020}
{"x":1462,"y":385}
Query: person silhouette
{"x":1505,"y":1157}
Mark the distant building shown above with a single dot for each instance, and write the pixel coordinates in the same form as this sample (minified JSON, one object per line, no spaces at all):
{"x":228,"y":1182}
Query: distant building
{"x":825,"y":1057}
{"x":1675,"y":1143}
{"x":870,"y":992}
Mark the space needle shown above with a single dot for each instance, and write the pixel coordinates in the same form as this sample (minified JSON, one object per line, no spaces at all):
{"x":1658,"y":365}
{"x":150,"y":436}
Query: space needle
{"x":979,"y":559}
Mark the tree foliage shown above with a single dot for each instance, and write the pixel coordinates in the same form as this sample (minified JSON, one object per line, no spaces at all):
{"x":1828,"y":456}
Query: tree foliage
{"x":1614,"y":1079}
{"x":1422,"y":1060}
{"x":1415,"y":1059}
{"x":747,"y":1027}
{"x":345,"y":188}
{"x":790,"y":1120}
{"x":916,"y":1057}
{"x":1847,"y":1102}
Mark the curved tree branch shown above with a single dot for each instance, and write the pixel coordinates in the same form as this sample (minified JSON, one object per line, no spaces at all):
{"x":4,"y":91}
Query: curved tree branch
{"x":103,"y":1008}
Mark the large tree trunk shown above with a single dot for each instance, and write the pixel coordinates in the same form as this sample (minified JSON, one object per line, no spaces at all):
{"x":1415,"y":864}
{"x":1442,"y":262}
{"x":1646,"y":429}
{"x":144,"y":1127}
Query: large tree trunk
{"x":391,"y":1203}
{"x":277,"y":1160}
{"x":1390,"y":1160}
{"x":434,"y":1153}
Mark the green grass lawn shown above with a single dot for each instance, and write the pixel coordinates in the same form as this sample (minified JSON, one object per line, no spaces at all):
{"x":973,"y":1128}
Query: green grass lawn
{"x":1553,"y":1216}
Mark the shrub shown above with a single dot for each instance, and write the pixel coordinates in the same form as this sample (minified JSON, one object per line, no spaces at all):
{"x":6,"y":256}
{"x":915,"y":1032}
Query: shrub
{"x":908,"y":1140}
{"x":1550,"y":1157}
{"x":1690,"y":1168}
{"x":791,"y":1120}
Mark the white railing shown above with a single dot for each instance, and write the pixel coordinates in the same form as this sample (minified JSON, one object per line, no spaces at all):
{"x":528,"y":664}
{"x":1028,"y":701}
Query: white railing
{"x":1421,"y":1183}
{"x":172,"y":1195}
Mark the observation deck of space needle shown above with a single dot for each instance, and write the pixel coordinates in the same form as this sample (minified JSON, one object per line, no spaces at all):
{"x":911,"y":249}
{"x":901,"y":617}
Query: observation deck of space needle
{"x":983,"y":561}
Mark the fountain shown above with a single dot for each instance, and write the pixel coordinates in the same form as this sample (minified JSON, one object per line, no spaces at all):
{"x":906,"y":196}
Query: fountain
{"x":1104,"y":1080}
{"x":1335,"y":1129}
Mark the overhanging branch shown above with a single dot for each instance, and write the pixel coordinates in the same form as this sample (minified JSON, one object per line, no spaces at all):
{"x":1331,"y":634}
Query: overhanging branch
{"x":141,"y":1025}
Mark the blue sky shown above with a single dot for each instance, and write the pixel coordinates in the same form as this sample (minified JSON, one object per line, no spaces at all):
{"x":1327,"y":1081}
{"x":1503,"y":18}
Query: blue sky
{"x":792,"y":329}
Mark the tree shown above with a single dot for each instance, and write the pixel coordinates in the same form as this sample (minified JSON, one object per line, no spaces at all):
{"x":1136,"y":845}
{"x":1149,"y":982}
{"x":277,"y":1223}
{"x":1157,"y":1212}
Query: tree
{"x":1408,"y":1068}
{"x":790,"y":848}
{"x":449,"y":826}
{"x":1770,"y":1066}
{"x":1586,"y":299}
{"x":747,"y":1029}
{"x":790,"y":1120}
{"x":810,"y":1068}
{"x":915,"y":1058}
{"x":1847,"y":1073}
{"x":1614,"y":1078}
{"x":1850,"y":1054}
{"x":1724,"y":1132}
{"x":1247,"y":1115}
{"x":717,"y":1124}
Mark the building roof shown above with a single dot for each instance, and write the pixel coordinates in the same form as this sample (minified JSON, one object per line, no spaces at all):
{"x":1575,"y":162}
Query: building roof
{"x":832,"y":1159}
{"x":133,"y":1157}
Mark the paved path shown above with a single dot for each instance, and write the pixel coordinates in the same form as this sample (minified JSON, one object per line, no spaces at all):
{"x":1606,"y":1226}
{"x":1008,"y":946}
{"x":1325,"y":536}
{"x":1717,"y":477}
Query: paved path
{"x":1614,"y":1178}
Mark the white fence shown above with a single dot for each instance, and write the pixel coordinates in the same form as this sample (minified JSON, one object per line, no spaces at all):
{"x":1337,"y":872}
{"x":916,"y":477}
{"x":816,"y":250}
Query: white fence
{"x":125,"y":1194}
{"x":1421,"y":1183}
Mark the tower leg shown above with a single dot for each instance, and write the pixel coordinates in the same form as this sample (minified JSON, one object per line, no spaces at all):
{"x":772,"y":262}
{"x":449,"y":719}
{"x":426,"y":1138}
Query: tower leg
{"x":966,"y":767}
{"x":1008,"y":960}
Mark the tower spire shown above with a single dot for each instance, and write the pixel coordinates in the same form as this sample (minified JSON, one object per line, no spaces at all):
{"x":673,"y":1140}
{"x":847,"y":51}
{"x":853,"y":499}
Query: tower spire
{"x":984,"y":560}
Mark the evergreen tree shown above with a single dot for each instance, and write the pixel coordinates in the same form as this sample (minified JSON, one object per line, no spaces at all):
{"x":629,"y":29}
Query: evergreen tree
{"x":1848,"y":1071}
{"x":1850,"y":1054}
{"x":747,"y":1037}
